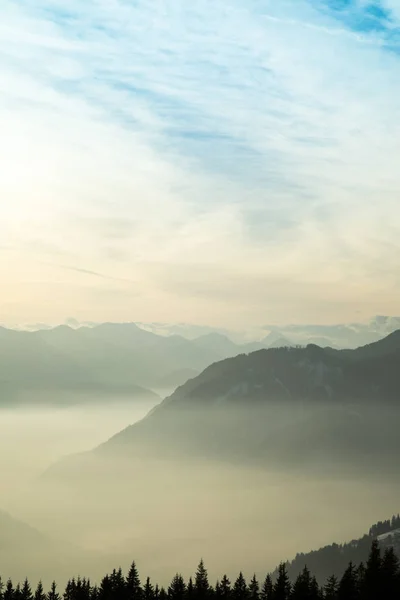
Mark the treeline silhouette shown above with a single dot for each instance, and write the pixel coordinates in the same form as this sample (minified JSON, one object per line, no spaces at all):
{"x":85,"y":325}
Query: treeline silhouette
{"x":335,"y":558}
{"x":387,"y":526}
{"x":377,"y":579}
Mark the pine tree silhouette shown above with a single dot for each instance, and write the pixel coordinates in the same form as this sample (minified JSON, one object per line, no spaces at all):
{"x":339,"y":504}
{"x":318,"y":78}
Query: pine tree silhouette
{"x":94,"y":594}
{"x":240,"y":591}
{"x":39,"y":593}
{"x":190,"y":589}
{"x":8,"y":593}
{"x":225,"y":588}
{"x":348,"y":586}
{"x":53,"y":594}
{"x":177,"y":588}
{"x":390,"y":571}
{"x":105,"y":589}
{"x":331,"y":588}
{"x":201,"y":584}
{"x":372,"y":578}
{"x":26,"y":591}
{"x":267,"y":589}
{"x":254,"y":588}
{"x":68,"y":593}
{"x":379,"y":579}
{"x":316,"y":593}
{"x":163,"y":594}
{"x":133,"y":587}
{"x":118,"y":584}
{"x":282,"y":587}
{"x":148,"y":590}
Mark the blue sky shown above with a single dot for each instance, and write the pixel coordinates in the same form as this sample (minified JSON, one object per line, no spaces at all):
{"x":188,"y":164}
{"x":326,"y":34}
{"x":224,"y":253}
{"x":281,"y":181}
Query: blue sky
{"x":229,"y":162}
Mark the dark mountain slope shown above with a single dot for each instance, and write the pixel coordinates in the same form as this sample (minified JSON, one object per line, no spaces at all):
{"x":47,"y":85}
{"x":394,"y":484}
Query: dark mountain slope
{"x":307,"y":407}
{"x":334,"y":559}
{"x":294,"y":403}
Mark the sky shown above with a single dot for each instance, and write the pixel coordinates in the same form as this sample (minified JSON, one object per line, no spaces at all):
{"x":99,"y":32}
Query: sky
{"x":229,"y":163}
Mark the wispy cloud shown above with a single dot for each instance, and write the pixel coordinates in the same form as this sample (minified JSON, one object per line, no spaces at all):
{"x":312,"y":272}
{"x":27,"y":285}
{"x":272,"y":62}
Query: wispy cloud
{"x":89,"y":272}
{"x":257,"y":137}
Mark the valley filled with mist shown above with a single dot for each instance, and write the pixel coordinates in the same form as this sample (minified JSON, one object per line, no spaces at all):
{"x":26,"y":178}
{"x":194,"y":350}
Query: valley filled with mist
{"x":199,"y":300}
{"x":260,"y":457}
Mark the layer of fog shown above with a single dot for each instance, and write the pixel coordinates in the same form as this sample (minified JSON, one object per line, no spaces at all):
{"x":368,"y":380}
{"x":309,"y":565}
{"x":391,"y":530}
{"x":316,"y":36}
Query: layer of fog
{"x":167,"y":514}
{"x":33,"y":436}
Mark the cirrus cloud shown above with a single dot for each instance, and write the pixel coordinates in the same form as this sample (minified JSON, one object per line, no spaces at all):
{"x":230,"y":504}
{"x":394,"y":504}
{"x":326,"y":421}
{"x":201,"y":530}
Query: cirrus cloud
{"x":239,"y":155}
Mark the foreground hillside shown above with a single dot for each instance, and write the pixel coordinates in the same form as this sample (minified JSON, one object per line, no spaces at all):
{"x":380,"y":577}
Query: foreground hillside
{"x":334,"y":559}
{"x":376,"y":578}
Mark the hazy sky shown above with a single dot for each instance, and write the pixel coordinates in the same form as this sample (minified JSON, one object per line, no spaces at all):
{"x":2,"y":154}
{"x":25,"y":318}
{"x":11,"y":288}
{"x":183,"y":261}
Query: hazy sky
{"x":231,"y":162}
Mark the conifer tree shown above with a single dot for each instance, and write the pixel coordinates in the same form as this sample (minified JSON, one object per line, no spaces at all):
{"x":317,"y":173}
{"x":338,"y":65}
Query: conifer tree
{"x":240,"y":591}
{"x":254,"y":588}
{"x":390,"y":575}
{"x":26,"y":591}
{"x":39,"y":593}
{"x":331,"y":588}
{"x":316,"y":593}
{"x":348,"y":586}
{"x":217,"y":590}
{"x":267,"y":589}
{"x":190,"y":589}
{"x":302,"y":586}
{"x":201,"y":584}
{"x":177,"y":588}
{"x":105,"y":589}
{"x":53,"y":594}
{"x":17,"y":593}
{"x":360,"y":579}
{"x":281,"y":589}
{"x":82,"y":589}
{"x":94,"y":593}
{"x":372,"y":579}
{"x":68,"y":593}
{"x":225,"y":588}
{"x":163,"y":594}
{"x":133,"y":587}
{"x":148,"y":590}
{"x":1,"y":588}
{"x":118,"y":584}
{"x":8,"y":593}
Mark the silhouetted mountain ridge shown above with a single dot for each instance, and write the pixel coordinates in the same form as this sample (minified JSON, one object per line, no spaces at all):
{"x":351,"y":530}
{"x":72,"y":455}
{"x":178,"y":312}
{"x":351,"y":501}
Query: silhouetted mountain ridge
{"x":110,"y":357}
{"x":294,"y":404}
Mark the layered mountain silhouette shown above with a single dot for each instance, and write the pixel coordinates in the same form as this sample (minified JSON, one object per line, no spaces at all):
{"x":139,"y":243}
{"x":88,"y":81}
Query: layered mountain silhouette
{"x":287,"y":406}
{"x":118,"y":358}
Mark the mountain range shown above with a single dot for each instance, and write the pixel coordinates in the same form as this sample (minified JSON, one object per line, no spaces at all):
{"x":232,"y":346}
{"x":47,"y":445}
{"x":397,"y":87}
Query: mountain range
{"x":289,"y":406}
{"x":111,"y":357}
{"x":337,"y":335}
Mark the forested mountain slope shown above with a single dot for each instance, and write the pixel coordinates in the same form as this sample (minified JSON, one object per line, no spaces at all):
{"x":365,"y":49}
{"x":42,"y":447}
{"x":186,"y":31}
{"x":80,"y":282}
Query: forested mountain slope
{"x":334,"y":559}
{"x":287,"y":403}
